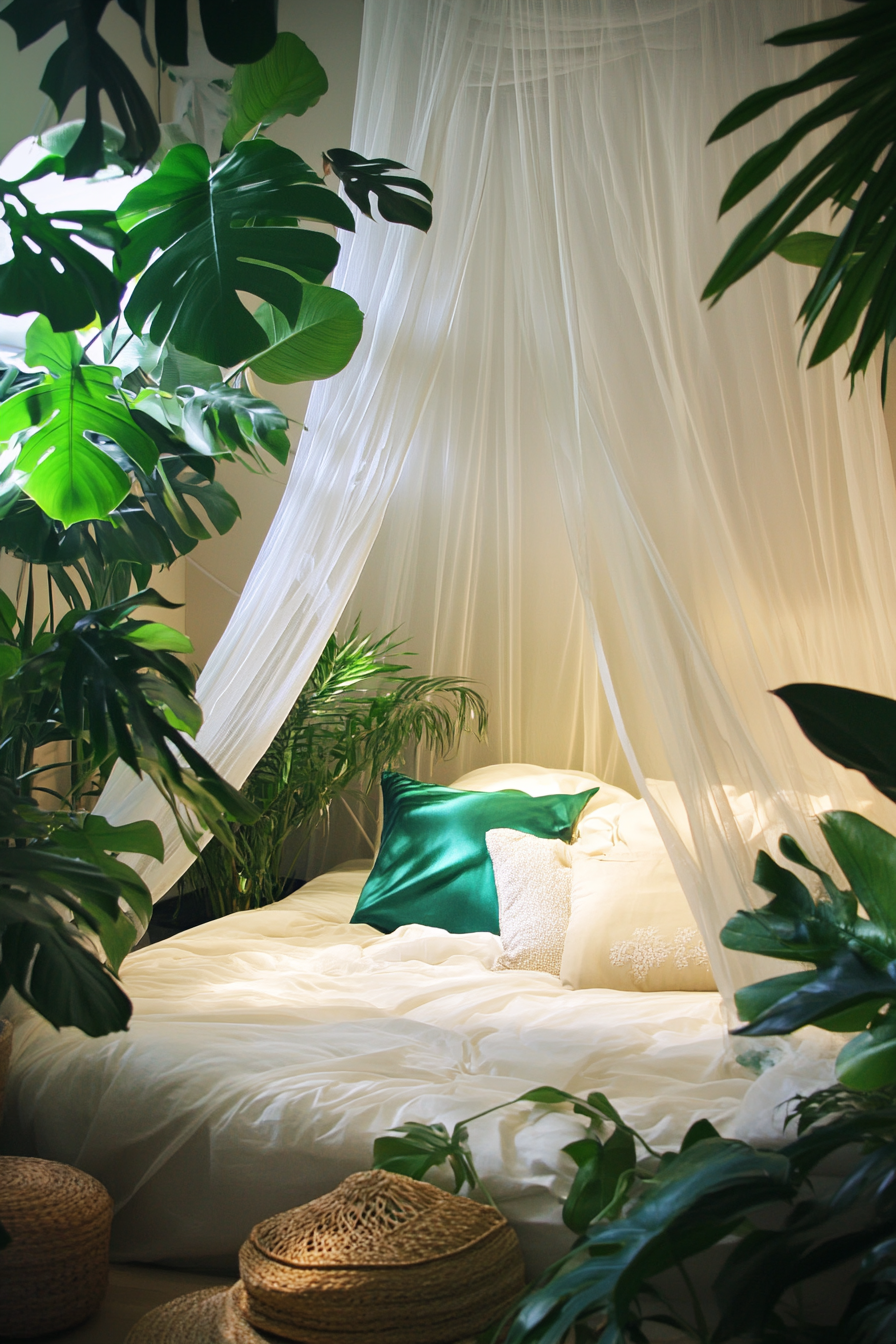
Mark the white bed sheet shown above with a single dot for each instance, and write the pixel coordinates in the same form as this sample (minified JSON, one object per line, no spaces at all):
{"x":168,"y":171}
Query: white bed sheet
{"x":268,"y":1050}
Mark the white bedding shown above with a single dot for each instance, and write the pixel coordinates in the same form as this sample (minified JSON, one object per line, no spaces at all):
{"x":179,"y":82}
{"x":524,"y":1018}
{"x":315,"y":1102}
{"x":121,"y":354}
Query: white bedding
{"x":269,"y":1049}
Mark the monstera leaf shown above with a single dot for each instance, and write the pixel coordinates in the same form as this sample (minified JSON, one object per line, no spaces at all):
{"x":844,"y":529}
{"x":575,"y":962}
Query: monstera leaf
{"x":318,"y":344}
{"x":240,"y":30}
{"x":362,"y":176}
{"x":59,"y":466}
{"x":50,"y":271}
{"x":217,"y":231}
{"x":287,"y":81}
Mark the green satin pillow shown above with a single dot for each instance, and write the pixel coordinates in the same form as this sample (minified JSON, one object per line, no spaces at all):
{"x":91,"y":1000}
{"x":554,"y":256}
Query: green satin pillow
{"x":434,"y":867}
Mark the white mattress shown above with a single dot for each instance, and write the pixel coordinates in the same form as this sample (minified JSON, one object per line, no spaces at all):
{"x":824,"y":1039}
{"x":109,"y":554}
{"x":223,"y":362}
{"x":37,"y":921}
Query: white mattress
{"x":268,"y":1050}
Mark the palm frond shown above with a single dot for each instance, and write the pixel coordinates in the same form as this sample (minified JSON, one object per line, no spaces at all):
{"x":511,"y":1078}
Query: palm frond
{"x":355,"y":717}
{"x":855,"y":171}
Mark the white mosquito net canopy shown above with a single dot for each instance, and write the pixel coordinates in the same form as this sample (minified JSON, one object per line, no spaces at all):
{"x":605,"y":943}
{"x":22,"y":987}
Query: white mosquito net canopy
{"x":627,"y":515}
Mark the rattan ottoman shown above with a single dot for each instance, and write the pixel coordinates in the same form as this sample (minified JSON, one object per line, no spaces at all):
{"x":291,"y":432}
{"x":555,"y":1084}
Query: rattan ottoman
{"x":55,"y":1271}
{"x":380,"y":1260}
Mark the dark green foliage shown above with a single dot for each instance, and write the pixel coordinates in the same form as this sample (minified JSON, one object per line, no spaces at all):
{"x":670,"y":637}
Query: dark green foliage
{"x":235,"y":31}
{"x":360,"y":177}
{"x":223,"y":229}
{"x":853,"y":728}
{"x":71,"y":296}
{"x":855,"y":170}
{"x":353,"y":719}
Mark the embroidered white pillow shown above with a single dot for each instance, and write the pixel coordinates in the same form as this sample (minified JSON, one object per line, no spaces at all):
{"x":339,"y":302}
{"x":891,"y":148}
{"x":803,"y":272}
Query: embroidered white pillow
{"x":630,"y":926}
{"x":533,"y":878}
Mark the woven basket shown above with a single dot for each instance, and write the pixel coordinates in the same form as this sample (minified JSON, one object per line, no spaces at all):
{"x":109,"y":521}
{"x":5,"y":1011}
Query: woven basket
{"x":381,"y":1260}
{"x":55,"y":1271}
{"x":5,"y":1052}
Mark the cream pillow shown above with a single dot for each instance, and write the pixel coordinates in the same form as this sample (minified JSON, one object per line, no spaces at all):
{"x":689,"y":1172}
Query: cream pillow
{"x":630,"y":926}
{"x":596,"y":830}
{"x":533,"y":878}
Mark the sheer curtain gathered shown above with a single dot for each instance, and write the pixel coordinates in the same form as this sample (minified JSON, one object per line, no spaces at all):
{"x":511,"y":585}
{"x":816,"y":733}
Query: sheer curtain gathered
{"x":551,"y":466}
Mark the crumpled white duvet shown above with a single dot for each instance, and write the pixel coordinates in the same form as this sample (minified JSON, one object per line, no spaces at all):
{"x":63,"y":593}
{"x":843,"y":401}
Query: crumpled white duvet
{"x":268,"y":1050}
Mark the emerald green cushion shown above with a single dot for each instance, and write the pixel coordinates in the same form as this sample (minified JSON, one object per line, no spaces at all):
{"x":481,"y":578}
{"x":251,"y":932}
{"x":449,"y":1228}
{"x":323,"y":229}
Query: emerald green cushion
{"x":434,"y":867}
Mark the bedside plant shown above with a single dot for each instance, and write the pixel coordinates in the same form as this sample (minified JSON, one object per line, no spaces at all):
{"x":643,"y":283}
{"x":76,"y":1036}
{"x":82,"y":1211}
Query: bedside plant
{"x":354,"y":718}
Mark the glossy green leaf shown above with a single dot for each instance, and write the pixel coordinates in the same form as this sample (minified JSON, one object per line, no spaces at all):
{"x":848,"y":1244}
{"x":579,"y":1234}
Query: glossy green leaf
{"x":854,"y":728}
{"x":318,"y":344}
{"x":758,"y":998}
{"x":50,"y":272}
{"x":867,"y":855}
{"x":64,"y":471}
{"x":396,"y":197}
{"x":57,"y":352}
{"x":214,"y":226}
{"x":155,"y":635}
{"x":844,"y":984}
{"x":694,"y":1202}
{"x":868,"y":1061}
{"x":287,"y":81}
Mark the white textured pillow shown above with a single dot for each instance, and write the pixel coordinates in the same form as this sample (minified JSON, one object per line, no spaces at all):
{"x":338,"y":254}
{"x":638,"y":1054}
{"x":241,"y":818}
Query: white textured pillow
{"x":630,"y":926}
{"x":533,"y":878}
{"x":596,"y":830}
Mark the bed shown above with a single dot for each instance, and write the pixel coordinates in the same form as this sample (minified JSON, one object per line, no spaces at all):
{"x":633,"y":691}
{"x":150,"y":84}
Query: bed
{"x":268,"y":1049}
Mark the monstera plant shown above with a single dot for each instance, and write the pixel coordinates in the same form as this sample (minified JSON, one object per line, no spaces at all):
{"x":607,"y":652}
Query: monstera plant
{"x":136,"y":381}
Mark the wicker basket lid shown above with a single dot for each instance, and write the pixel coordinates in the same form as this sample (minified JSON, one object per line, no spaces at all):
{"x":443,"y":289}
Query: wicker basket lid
{"x":37,"y":1195}
{"x":375,"y":1218}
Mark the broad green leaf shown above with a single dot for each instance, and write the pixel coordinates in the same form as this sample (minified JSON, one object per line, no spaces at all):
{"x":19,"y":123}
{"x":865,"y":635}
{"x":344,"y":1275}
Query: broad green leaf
{"x":10,"y":657}
{"x":63,"y":470}
{"x":360,"y":177}
{"x":61,"y":979}
{"x":155,"y":635}
{"x":845,"y":984}
{"x":134,"y":837}
{"x":868,"y":1062}
{"x":318,"y":344}
{"x":792,"y":898}
{"x":60,"y":279}
{"x":867,"y":855}
{"x":287,"y":81}
{"x":214,"y":226}
{"x":664,"y":1227}
{"x":57,"y":352}
{"x":758,"y":998}
{"x":854,"y":728}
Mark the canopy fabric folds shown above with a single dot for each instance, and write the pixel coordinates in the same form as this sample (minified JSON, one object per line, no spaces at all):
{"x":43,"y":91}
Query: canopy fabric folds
{"x":626,"y":514}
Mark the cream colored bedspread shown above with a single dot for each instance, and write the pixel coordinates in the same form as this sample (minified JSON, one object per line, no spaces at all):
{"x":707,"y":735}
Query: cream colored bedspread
{"x":268,"y":1050}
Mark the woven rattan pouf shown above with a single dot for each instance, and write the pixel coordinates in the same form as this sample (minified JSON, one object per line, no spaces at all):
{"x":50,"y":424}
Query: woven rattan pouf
{"x":55,"y":1271}
{"x":381,"y":1260}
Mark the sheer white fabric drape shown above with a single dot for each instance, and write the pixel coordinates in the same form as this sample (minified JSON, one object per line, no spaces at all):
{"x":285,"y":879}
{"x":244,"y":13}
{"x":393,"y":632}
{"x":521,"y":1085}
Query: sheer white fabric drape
{"x":546,"y":402}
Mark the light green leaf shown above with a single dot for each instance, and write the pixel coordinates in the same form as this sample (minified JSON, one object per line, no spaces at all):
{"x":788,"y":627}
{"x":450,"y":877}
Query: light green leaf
{"x":134,"y":837}
{"x":70,"y":477}
{"x":224,"y":420}
{"x":57,"y":352}
{"x":287,"y":81}
{"x":216,"y":229}
{"x":806,"y":249}
{"x":868,"y":1062}
{"x":155,"y":635}
{"x":10,"y":657}
{"x":319,"y":344}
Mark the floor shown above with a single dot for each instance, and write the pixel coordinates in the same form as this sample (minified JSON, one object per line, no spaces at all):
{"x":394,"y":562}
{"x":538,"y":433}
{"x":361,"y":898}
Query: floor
{"x":133,"y":1291}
